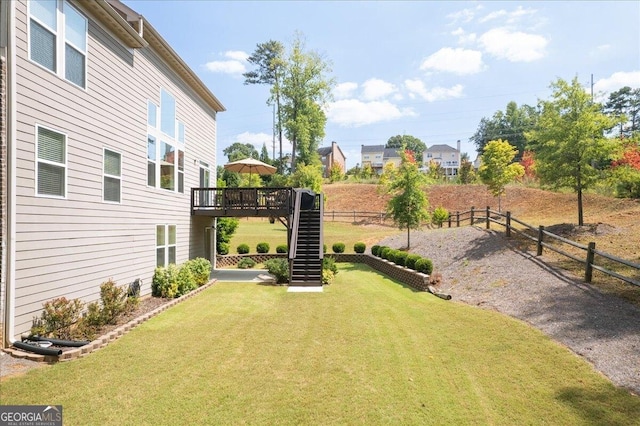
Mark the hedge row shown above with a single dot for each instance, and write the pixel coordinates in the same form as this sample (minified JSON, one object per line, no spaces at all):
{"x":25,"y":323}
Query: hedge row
{"x":402,"y":258}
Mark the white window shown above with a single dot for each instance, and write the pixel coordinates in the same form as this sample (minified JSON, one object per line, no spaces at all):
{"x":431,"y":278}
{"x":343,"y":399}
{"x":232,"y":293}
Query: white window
{"x":165,"y":145}
{"x":58,"y":39}
{"x":51,"y":170}
{"x":165,"y":245}
{"x":112,"y":176}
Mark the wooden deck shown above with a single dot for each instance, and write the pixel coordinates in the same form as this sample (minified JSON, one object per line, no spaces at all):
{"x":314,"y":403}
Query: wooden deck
{"x":242,"y":202}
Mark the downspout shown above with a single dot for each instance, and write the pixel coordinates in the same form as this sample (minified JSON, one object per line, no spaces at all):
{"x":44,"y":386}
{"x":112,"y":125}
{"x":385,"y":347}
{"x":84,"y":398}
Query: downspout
{"x":10,"y":308}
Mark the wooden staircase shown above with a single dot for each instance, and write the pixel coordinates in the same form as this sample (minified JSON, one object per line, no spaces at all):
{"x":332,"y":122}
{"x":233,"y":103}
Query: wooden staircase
{"x":306,"y":261}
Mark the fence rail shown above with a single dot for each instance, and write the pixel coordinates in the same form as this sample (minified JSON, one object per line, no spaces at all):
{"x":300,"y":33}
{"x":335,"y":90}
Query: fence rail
{"x":489,"y":216}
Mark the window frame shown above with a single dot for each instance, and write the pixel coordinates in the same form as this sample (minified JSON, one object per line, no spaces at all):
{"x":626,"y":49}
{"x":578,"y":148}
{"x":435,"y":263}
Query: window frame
{"x":64,"y":165}
{"x":166,"y":245}
{"x":60,"y":41}
{"x":106,"y":175}
{"x":176,"y":142}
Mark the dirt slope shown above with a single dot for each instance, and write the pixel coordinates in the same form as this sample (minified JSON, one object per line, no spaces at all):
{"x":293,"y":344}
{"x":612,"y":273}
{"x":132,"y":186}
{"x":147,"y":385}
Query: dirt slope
{"x":615,"y":223}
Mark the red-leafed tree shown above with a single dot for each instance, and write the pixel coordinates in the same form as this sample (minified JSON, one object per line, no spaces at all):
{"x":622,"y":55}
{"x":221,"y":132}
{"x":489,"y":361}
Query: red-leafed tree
{"x":529,"y":163}
{"x":630,"y":157}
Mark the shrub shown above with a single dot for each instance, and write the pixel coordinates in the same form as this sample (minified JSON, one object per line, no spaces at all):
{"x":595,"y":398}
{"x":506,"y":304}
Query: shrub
{"x":359,"y":247}
{"x":200,"y":269}
{"x":324,"y":248}
{"x":114,"y":301}
{"x":327,"y":276}
{"x":164,"y":283}
{"x":246,"y":263}
{"x":225,"y":229}
{"x":410,"y":261}
{"x":278,"y":268}
{"x":375,"y":249}
{"x":58,"y":318}
{"x":384,"y":252}
{"x":243,"y":249}
{"x":223,"y":248}
{"x":262,"y":248}
{"x":282,"y":248}
{"x":338,"y":247}
{"x":329,"y":263}
{"x":185,"y":281}
{"x":439,"y":216}
{"x":400,"y":258}
{"x":424,"y":265}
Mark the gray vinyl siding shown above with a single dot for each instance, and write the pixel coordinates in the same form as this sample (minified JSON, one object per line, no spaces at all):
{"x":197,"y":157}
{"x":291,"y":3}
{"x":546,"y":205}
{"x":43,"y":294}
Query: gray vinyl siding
{"x":68,"y":247}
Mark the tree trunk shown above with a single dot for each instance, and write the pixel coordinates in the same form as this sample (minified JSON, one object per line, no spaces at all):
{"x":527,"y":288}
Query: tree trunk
{"x":580,"y":216}
{"x":408,"y":238}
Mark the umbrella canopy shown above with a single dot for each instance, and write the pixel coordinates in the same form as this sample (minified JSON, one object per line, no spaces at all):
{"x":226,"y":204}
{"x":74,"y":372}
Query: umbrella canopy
{"x":250,"y":165}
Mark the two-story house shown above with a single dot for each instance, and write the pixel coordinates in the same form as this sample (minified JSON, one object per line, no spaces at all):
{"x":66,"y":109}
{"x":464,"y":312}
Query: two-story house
{"x":377,"y":156}
{"x":330,"y":156}
{"x":446,"y":156}
{"x":104,"y":130}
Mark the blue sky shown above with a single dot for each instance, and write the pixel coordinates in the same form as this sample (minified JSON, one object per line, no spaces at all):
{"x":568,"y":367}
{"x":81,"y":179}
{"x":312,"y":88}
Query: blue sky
{"x":432,"y":70}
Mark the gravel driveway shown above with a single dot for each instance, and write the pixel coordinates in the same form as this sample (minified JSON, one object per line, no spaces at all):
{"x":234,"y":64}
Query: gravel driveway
{"x":483,"y":268}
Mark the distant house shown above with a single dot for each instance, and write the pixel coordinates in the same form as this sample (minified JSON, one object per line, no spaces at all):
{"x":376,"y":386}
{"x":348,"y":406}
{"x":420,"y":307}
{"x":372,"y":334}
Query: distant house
{"x":446,"y":156}
{"x":104,"y":130}
{"x":377,"y":156}
{"x":330,"y":156}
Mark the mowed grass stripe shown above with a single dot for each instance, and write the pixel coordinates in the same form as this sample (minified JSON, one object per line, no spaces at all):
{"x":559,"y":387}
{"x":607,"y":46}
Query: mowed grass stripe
{"x":366,"y":350}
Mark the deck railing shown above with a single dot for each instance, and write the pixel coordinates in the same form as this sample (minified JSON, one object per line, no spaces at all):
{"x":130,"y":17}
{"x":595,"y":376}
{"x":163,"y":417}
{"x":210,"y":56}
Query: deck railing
{"x":241,"y":201}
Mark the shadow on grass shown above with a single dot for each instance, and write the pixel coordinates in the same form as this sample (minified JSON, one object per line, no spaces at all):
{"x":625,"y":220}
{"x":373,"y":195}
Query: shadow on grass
{"x":591,"y":405}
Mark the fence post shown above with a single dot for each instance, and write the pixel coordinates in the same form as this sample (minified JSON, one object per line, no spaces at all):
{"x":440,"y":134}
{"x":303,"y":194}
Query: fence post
{"x":540,"y":234}
{"x":457,"y":219}
{"x":508,"y":227}
{"x":472,"y":215}
{"x":354,"y":216}
{"x":488,"y":222}
{"x":588,"y":270}
{"x":449,"y":221}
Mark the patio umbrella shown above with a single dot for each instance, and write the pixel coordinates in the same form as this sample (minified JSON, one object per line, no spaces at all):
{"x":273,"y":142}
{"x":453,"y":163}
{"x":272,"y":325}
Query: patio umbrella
{"x":250,"y":165}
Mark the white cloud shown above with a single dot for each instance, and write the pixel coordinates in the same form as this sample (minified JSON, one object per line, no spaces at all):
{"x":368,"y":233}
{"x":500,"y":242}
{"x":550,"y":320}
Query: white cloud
{"x":458,"y":61}
{"x":417,"y":87}
{"x":464,"y":37}
{"x":344,"y":90}
{"x":355,"y":113}
{"x":514,"y":46}
{"x":464,"y":15}
{"x":507,"y":17}
{"x":235,"y":65}
{"x":376,"y":89}
{"x":617,"y":81}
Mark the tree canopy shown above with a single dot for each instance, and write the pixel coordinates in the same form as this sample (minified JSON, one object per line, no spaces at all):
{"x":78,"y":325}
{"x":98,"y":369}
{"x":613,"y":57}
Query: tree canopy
{"x":408,"y":142}
{"x":304,"y":91}
{"x":238,"y":151}
{"x":497,"y":168}
{"x":510,"y":125}
{"x":625,"y":104}
{"x":408,"y":205}
{"x":569,"y":141}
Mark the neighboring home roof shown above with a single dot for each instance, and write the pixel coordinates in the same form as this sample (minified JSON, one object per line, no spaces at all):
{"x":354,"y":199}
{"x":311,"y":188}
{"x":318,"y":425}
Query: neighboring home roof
{"x":441,"y":148}
{"x":325,"y":150}
{"x":371,"y":148}
{"x":136,"y":32}
{"x":391,"y":153}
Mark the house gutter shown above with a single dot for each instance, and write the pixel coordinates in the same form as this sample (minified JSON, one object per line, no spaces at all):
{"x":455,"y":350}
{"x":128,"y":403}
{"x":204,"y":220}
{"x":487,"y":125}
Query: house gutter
{"x":9,"y":297}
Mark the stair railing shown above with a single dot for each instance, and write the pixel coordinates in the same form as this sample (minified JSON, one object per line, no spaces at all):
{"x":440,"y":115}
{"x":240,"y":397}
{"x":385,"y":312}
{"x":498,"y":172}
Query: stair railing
{"x":321,"y":208}
{"x":293,"y":249}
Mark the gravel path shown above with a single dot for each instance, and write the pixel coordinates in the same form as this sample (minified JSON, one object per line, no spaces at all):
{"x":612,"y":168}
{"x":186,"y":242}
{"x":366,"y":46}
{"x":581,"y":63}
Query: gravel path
{"x":484,"y":268}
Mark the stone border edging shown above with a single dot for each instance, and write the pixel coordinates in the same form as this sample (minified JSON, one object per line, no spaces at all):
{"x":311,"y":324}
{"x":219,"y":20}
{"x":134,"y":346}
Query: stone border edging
{"x":105,"y":339}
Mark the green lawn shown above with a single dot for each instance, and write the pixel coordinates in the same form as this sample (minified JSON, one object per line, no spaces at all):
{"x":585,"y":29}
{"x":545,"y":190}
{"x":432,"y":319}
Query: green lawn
{"x":366,"y":351}
{"x":252,"y":231}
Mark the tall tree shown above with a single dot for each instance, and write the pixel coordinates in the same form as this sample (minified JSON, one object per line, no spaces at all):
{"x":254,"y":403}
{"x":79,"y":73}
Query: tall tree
{"x":237,"y":151}
{"x":625,"y":105}
{"x":408,"y":205}
{"x":264,"y":154}
{"x":569,"y":141}
{"x":305,"y":90}
{"x":269,"y":60}
{"x":497,"y":168}
{"x":510,"y":125}
{"x":408,"y":142}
